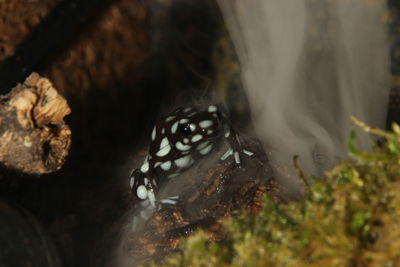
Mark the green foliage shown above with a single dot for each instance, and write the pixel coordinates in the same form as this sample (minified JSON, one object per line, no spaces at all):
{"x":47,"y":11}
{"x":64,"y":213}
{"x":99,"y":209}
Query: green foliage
{"x":349,"y":218}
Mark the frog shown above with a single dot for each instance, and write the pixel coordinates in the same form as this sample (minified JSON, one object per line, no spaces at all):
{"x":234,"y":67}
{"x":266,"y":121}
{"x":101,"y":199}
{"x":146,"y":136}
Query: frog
{"x":179,"y":140}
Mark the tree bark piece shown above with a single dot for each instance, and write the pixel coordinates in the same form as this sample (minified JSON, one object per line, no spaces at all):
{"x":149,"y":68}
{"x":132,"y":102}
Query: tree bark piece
{"x":222,"y":190}
{"x":34,"y":138}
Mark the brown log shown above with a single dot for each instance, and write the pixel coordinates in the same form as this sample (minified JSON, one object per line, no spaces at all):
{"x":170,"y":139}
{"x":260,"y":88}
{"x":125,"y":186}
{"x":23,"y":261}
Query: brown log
{"x":34,"y":138}
{"x":221,"y":190}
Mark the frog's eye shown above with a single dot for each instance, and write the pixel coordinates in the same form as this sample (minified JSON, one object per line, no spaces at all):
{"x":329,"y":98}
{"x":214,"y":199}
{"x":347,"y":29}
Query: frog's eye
{"x":185,"y":129}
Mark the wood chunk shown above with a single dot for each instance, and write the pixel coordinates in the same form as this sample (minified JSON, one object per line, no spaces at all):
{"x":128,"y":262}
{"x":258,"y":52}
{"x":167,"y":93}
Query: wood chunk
{"x":222,"y":189}
{"x":34,"y":138}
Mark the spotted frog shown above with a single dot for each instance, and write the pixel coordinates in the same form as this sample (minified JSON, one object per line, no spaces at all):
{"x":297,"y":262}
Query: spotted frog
{"x":178,"y":140}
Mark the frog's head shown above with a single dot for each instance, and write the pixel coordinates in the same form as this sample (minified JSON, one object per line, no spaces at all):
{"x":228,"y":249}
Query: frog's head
{"x":185,"y":134}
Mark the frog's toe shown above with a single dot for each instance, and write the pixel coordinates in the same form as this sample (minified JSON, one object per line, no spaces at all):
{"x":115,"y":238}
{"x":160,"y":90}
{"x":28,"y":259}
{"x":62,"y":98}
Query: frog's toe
{"x":248,"y":153}
{"x":236,"y":156}
{"x":169,"y":201}
{"x":227,"y":154}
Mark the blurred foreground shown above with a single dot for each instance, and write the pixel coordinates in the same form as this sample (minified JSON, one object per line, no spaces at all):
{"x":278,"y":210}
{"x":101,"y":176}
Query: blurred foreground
{"x":352,"y":218}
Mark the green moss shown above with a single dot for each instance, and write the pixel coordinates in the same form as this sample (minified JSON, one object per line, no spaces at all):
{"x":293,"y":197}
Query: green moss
{"x":349,"y":218}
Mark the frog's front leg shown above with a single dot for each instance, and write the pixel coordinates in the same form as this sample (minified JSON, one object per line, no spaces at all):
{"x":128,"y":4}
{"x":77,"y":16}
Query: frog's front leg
{"x":145,"y":190}
{"x":143,"y":186}
{"x":235,"y":147}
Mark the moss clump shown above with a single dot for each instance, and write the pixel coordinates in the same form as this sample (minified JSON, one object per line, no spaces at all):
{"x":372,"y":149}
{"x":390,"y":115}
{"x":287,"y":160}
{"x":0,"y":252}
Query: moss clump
{"x":349,"y":218}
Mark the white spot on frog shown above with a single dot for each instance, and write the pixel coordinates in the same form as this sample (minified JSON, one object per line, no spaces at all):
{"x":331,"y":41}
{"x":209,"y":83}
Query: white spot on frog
{"x":182,"y":147}
{"x":153,"y":134}
{"x":164,"y":142}
{"x":170,"y":118}
{"x":163,"y":151}
{"x":192,"y":127}
{"x":173,"y":175}
{"x":157,"y":164}
{"x":166,"y":165}
{"x":145,"y":167}
{"x":196,"y":138}
{"x":164,"y":147}
{"x":152,"y":198}
{"x":249,"y":153}
{"x":227,"y":154}
{"x":168,"y":201}
{"x":212,"y":108}
{"x":206,"y":123}
{"x":141,"y":192}
{"x":184,"y":161}
{"x":174,"y":127}
{"x":206,"y":150}
{"x":237,"y":159}
{"x":203,"y":145}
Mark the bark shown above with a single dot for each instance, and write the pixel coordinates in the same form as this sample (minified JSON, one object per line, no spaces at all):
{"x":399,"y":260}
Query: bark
{"x":34,"y":138}
{"x":223,"y":190}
